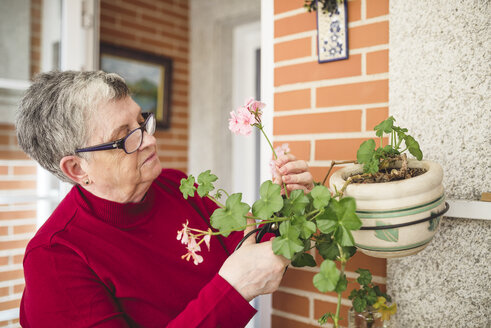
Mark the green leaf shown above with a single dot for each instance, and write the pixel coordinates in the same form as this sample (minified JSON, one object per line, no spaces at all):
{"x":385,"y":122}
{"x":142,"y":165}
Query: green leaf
{"x":321,"y":196}
{"x":366,"y":151}
{"x":328,"y":277}
{"x":359,"y":304}
{"x":371,"y":167}
{"x":288,"y":243}
{"x":306,"y":228}
{"x":296,"y":203}
{"x":342,"y":284}
{"x":340,"y":217}
{"x":303,"y":259}
{"x":323,"y":320}
{"x":205,"y":180}
{"x":364,"y":278}
{"x":270,"y":201}
{"x":232,"y":217}
{"x":344,"y":237}
{"x":413,"y":147}
{"x":384,"y":126}
{"x":327,"y":249}
{"x":187,"y":187}
{"x":371,"y":297}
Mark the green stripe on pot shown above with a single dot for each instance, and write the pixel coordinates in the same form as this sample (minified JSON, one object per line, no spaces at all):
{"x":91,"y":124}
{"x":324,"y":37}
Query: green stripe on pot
{"x":399,"y":213}
{"x":393,"y":249}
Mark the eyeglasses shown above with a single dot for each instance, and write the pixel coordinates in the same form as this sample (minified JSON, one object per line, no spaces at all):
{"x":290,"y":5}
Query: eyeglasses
{"x":131,"y":142}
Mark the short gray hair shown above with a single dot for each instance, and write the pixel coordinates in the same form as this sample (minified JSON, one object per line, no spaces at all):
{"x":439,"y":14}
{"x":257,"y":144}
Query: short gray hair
{"x":55,"y":112}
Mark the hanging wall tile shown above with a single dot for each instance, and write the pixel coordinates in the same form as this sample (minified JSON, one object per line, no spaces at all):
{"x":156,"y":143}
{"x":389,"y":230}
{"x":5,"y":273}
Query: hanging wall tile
{"x":332,"y":34}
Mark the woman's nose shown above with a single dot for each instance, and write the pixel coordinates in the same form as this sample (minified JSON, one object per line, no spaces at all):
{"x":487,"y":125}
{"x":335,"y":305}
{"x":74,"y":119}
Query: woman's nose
{"x":148,"y":140}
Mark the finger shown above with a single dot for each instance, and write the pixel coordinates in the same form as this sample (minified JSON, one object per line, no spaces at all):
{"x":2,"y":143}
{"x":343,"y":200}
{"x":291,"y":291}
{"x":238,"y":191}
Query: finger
{"x":304,"y":178}
{"x":252,"y":238}
{"x":283,"y":159}
{"x":296,"y":166}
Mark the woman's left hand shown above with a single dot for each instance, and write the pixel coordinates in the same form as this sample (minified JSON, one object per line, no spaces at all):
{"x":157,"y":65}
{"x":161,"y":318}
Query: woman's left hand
{"x":294,"y":173}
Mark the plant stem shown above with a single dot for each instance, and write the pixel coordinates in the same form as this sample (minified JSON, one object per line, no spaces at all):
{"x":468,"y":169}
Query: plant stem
{"x":216,"y":201}
{"x":343,"y":264}
{"x":260,"y":127}
{"x":226,"y":193}
{"x":332,"y":166}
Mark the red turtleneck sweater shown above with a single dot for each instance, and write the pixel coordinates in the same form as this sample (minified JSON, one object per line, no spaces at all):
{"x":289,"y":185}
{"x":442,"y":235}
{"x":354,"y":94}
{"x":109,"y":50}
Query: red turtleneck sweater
{"x":106,"y":264}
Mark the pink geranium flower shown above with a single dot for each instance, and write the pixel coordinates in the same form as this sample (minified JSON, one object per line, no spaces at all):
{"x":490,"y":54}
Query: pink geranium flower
{"x":193,"y":247}
{"x":241,"y":121}
{"x":255,"y":107}
{"x":183,"y":235}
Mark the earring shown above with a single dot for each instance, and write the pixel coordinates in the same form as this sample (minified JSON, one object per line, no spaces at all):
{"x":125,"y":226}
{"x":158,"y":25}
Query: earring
{"x":87,"y":181}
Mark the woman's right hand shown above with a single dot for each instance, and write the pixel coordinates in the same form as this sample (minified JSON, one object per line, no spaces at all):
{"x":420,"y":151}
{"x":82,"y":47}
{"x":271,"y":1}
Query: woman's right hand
{"x":254,"y":269}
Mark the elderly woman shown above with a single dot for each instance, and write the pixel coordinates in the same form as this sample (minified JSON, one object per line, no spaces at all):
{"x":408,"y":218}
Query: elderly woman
{"x":108,"y":255}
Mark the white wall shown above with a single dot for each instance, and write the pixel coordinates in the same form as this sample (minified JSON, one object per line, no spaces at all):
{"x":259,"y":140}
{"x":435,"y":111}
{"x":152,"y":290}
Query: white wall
{"x":440,"y":75}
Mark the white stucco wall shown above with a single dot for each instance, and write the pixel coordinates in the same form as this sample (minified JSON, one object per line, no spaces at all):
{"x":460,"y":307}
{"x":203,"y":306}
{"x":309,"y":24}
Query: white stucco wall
{"x":440,"y":76}
{"x":212,"y":24}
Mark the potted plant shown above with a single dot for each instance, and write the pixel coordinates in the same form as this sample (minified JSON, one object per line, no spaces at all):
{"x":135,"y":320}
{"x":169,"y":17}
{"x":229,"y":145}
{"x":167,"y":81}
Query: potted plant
{"x":329,"y":220}
{"x":399,"y":201}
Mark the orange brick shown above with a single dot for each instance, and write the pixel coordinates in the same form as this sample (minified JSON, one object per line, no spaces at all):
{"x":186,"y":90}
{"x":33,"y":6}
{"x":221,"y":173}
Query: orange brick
{"x":11,"y":275}
{"x":4,"y":260}
{"x":321,"y":307}
{"x":21,"y":184}
{"x":4,"y":170}
{"x":378,"y":62}
{"x":319,"y":173}
{"x":354,"y":10}
{"x":278,"y":321}
{"x":280,"y":6}
{"x":377,"y":8}
{"x":13,"y":154}
{"x":7,"y":127}
{"x":377,"y":266}
{"x":338,"y":149}
{"x":292,"y":49}
{"x":314,"y":71}
{"x":375,"y":116}
{"x":24,"y":229}
{"x":4,"y":231}
{"x":19,"y":288}
{"x":291,"y":303}
{"x":24,"y":170}
{"x":342,"y":121}
{"x":9,"y":305}
{"x":295,"y":24}
{"x":298,"y":99}
{"x":4,"y":140}
{"x":4,"y":291}
{"x":369,"y":35}
{"x":299,"y":279}
{"x":11,"y":244}
{"x":13,"y":215}
{"x":353,"y":94}
{"x":301,"y":149}
{"x":18,"y":259}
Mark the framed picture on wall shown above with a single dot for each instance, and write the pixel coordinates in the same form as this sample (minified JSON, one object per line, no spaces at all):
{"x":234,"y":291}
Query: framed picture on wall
{"x":147,"y":75}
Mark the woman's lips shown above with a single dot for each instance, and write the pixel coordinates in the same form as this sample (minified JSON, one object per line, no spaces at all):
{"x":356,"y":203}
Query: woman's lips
{"x":150,"y":158}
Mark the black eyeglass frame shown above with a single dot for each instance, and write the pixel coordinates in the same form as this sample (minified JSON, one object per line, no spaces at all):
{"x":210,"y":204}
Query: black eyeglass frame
{"x":119,"y":144}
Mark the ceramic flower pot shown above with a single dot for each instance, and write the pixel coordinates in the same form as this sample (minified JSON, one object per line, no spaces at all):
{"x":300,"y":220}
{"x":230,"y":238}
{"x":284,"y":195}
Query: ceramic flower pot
{"x":400,"y":217}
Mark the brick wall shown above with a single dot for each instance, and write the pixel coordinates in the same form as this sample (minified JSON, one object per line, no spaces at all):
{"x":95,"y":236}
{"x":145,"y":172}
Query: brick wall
{"x":324,"y":111}
{"x":17,"y":177}
{"x":160,"y":27}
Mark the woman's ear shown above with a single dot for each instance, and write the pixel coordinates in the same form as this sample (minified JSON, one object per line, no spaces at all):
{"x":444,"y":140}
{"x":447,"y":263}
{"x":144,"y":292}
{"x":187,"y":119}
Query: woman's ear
{"x":72,"y":167}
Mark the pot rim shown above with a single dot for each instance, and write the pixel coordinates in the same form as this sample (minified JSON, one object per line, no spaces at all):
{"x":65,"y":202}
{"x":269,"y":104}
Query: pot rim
{"x":428,"y":181}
